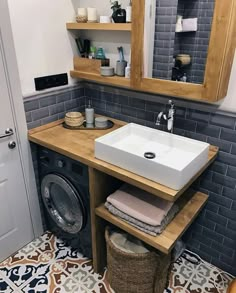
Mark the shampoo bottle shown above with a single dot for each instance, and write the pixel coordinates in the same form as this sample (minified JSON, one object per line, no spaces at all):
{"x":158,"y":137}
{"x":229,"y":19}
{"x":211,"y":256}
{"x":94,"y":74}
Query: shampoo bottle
{"x":89,"y":113}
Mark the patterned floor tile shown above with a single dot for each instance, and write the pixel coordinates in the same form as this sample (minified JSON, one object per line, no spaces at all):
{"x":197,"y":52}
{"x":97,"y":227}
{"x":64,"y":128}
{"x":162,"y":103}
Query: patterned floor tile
{"x":47,"y":265}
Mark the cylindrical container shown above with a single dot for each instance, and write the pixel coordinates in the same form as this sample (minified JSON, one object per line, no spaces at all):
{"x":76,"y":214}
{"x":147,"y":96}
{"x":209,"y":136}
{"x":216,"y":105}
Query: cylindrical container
{"x":82,"y":15}
{"x":92,"y":14}
{"x":127,"y":71}
{"x":129,"y":13}
{"x":89,"y":114}
{"x":105,"y":19}
{"x":120,"y":68}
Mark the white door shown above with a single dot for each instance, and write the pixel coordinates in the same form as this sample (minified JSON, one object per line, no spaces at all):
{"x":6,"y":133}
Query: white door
{"x":15,"y":222}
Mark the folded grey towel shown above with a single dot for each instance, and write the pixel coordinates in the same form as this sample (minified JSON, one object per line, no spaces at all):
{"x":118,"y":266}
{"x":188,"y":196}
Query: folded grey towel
{"x":152,"y":230}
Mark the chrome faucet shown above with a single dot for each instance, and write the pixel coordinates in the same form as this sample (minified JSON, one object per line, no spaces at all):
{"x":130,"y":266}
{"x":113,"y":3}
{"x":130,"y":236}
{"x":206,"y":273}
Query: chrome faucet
{"x":168,"y":117}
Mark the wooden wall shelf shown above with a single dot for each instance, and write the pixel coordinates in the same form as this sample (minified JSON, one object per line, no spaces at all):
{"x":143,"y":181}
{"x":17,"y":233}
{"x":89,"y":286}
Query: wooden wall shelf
{"x":112,"y":80}
{"x":99,"y":26}
{"x":190,"y":203}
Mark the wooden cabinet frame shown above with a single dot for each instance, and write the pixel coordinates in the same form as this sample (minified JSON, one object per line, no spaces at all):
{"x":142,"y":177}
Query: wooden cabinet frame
{"x":219,"y":60}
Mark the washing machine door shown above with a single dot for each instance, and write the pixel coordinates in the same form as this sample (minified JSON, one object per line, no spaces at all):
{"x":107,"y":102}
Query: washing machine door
{"x":63,"y":203}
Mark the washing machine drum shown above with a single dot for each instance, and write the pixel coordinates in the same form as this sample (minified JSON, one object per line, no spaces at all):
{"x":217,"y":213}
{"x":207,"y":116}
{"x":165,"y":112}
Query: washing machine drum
{"x":63,"y":203}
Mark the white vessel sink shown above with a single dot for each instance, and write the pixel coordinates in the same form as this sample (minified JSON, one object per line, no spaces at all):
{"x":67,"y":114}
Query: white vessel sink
{"x":177,"y":159}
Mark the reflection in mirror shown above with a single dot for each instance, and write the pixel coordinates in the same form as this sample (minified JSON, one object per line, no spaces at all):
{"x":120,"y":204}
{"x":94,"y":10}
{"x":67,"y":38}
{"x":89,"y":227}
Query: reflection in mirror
{"x":176,"y":39}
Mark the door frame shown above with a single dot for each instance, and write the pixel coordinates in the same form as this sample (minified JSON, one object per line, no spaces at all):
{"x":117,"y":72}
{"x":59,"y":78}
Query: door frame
{"x":17,"y":105}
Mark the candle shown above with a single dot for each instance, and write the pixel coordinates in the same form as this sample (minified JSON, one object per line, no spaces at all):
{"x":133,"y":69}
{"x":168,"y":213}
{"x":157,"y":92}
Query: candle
{"x":82,"y":15}
{"x":92,"y":15}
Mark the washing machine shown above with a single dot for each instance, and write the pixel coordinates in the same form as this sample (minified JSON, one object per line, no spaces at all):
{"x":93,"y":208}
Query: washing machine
{"x":65,"y":197}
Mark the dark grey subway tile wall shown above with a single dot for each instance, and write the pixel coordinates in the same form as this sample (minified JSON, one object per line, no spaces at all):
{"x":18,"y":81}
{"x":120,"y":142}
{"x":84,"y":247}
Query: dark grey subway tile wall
{"x":42,"y":110}
{"x":213,"y":234}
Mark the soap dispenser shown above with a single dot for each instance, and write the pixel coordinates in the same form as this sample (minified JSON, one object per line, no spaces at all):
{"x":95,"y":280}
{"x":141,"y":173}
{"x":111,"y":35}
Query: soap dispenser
{"x":89,"y":113}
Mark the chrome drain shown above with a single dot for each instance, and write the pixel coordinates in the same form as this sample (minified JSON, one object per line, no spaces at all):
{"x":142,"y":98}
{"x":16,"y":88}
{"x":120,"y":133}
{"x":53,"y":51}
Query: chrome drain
{"x":150,"y":155}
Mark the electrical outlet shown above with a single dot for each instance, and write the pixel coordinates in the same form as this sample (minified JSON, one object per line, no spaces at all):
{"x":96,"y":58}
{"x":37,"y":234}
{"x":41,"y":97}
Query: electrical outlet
{"x":45,"y":82}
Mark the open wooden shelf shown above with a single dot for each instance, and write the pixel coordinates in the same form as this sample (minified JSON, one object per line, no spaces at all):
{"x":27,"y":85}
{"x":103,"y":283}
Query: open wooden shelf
{"x":112,"y":80}
{"x":190,"y":204}
{"x":99,"y":26}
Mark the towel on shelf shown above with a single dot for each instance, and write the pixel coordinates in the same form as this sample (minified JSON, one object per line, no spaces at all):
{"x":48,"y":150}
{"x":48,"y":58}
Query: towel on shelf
{"x":140,"y":204}
{"x":149,"y":229}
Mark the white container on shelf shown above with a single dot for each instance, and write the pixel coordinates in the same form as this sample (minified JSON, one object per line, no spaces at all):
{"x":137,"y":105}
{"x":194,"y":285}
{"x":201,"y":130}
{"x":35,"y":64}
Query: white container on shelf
{"x":92,"y":14}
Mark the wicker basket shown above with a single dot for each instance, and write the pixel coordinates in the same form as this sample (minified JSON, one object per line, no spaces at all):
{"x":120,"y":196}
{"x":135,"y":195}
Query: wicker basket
{"x":136,"y":273}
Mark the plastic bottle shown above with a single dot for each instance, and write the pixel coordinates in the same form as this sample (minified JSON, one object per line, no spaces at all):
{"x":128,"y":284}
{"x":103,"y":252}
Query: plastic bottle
{"x":89,"y":113}
{"x":184,"y":78}
{"x":127,"y":71}
{"x":129,"y":12}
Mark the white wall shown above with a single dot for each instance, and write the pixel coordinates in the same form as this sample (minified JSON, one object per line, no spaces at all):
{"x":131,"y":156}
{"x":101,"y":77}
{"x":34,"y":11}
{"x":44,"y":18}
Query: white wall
{"x":44,"y":46}
{"x":229,"y":103}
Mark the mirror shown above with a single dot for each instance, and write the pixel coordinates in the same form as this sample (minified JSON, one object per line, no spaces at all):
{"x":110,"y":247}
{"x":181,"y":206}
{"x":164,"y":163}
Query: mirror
{"x":176,"y":39}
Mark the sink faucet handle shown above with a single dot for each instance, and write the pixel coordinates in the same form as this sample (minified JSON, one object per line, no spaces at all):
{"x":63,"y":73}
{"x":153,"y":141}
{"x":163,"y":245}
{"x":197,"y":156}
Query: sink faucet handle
{"x":171,"y":103}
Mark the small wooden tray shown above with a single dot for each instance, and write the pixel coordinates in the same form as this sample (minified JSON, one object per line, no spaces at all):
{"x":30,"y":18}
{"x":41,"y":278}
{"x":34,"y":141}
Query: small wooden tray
{"x":110,"y":124}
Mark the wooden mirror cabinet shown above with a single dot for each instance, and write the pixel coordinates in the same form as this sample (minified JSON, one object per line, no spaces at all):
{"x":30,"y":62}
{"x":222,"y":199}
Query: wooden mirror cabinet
{"x":218,"y":63}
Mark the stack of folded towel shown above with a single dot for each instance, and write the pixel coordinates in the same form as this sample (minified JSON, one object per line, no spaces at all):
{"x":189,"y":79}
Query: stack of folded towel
{"x":141,"y":209}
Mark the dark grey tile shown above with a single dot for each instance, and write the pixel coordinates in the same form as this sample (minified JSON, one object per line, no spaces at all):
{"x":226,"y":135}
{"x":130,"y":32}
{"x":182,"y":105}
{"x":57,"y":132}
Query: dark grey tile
{"x":72,"y":104}
{"x":63,"y":97}
{"x":211,"y":186}
{"x":216,"y":218}
{"x":222,"y":249}
{"x":227,"y":159}
{"x":220,"y":200}
{"x":137,"y":103}
{"x":227,"y":260}
{"x":229,"y":193}
{"x":155,"y":107}
{"x":28,"y":117}
{"x":232,"y":225}
{"x":205,"y":240}
{"x":105,"y":96}
{"x":209,"y":250}
{"x":229,"y":243}
{"x":212,"y":235}
{"x":228,"y":213}
{"x":99,"y":105}
{"x":219,"y":168}
{"x":49,"y":119}
{"x":233,"y":207}
{"x":196,"y":136}
{"x":56,"y":109}
{"x":112,"y":107}
{"x":233,"y":150}
{"x":129,"y":111}
{"x":198,"y":115}
{"x":77,"y":93}
{"x":185,"y":124}
{"x":120,"y":99}
{"x":40,"y":114}
{"x":222,"y":120}
{"x":31,"y":105}
{"x":44,"y":102}
{"x":208,"y":130}
{"x":231,"y":172}
{"x":211,"y":206}
{"x":224,"y":180}
{"x":92,"y":93}
{"x":34,"y":124}
{"x":144,"y":115}
{"x":229,"y":135}
{"x":224,"y":146}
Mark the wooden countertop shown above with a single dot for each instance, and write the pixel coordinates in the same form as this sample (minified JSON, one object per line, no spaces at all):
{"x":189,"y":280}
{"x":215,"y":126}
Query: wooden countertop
{"x":79,"y":145}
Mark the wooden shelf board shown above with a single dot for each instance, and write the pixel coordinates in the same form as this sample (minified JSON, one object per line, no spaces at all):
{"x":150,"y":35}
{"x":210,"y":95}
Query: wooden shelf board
{"x":190,"y":206}
{"x":113,"y":80}
{"x":99,"y":26}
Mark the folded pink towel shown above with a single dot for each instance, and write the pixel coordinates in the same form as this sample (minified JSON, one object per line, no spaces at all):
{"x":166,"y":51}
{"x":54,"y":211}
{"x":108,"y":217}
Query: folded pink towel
{"x":140,"y":204}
